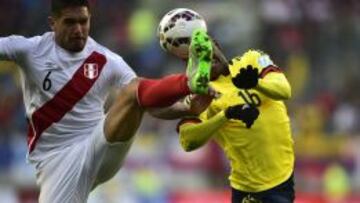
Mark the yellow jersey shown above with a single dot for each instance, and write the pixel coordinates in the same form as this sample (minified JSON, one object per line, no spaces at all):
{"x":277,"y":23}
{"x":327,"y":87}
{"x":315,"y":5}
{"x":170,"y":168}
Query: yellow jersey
{"x":263,"y":156}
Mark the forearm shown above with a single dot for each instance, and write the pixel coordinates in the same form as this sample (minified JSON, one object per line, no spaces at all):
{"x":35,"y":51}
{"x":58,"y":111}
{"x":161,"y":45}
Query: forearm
{"x":177,"y":110}
{"x":275,"y":86}
{"x":193,"y":136}
{"x":191,"y":105}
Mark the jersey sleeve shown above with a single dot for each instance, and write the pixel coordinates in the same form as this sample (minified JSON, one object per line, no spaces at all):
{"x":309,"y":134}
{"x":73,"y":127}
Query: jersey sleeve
{"x":195,"y":133}
{"x":122,"y":72}
{"x":272,"y":81}
{"x":13,"y":47}
{"x":275,"y":85}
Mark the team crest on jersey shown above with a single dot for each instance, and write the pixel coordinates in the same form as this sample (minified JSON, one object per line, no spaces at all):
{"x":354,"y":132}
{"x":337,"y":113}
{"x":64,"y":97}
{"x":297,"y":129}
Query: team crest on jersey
{"x":265,"y":61}
{"x":91,"y":70}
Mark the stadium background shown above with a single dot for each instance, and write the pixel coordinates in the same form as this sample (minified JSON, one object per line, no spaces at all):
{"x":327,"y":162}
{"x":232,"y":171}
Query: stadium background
{"x":317,"y":42}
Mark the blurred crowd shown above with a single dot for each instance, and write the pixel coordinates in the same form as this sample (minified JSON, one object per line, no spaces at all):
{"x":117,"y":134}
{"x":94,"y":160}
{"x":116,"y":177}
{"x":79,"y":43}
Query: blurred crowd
{"x":316,"y":43}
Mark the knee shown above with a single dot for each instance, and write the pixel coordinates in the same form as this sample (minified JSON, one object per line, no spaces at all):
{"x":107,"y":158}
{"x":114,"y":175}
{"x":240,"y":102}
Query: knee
{"x":124,"y":115}
{"x":122,"y":127}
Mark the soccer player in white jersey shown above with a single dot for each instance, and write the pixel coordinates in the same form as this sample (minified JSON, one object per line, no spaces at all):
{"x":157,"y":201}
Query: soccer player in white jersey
{"x":66,"y":77}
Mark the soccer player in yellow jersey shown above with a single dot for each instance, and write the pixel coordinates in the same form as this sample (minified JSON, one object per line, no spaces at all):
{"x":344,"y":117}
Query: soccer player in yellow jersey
{"x":259,"y":146}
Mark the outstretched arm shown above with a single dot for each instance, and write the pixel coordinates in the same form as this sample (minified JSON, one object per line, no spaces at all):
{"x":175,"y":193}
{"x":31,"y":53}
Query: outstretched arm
{"x":177,"y":110}
{"x":191,"y":105}
{"x":13,"y":47}
{"x":194,"y":133}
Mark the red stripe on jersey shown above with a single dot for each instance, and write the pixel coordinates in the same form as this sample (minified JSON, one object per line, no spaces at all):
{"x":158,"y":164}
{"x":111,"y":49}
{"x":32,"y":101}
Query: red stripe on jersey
{"x":187,"y":120}
{"x":269,"y":69}
{"x":64,"y":100}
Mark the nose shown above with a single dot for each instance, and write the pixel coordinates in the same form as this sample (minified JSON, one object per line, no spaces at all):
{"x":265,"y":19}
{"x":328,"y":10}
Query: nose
{"x":77,"y":29}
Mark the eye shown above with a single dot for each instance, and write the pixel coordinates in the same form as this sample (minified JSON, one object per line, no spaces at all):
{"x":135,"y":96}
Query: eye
{"x":83,"y":21}
{"x":69,"y":21}
{"x":73,"y":21}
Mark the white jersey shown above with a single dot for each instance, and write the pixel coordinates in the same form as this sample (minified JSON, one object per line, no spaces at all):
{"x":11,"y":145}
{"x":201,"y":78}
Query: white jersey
{"x":64,"y":93}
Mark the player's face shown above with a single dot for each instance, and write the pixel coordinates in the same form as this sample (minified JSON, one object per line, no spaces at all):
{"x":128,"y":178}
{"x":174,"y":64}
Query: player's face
{"x":71,"y":28}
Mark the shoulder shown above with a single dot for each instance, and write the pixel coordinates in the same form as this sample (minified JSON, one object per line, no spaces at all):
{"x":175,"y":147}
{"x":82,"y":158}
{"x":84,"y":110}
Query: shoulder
{"x":255,"y":58}
{"x":117,"y":66}
{"x":46,"y":38}
{"x":42,"y":43}
{"x":18,"y":46}
{"x":111,"y":56}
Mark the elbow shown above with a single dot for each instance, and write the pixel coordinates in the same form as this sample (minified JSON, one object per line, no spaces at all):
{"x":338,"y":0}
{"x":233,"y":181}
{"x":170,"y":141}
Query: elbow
{"x":287,"y":93}
{"x":188,"y":145}
{"x":288,"y":96}
{"x":281,"y":96}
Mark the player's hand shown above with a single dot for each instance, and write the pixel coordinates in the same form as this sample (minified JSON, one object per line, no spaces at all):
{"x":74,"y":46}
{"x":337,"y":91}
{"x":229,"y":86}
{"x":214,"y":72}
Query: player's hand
{"x":213,"y":93}
{"x":244,"y":112}
{"x":247,"y":78}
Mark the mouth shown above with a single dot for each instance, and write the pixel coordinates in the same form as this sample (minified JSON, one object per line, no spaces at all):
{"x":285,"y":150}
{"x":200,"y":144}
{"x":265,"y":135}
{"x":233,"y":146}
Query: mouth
{"x":76,"y":43}
{"x":78,"y":39}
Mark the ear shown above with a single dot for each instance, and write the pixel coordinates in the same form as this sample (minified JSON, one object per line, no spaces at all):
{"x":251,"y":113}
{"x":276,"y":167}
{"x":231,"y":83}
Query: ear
{"x":51,"y":22}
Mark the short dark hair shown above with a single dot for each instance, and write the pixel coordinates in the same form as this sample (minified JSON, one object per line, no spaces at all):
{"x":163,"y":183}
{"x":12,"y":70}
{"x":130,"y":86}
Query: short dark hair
{"x":58,"y":5}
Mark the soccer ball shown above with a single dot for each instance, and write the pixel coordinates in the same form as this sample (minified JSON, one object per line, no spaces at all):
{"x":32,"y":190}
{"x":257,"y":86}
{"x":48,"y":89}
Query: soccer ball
{"x":175,"y":30}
